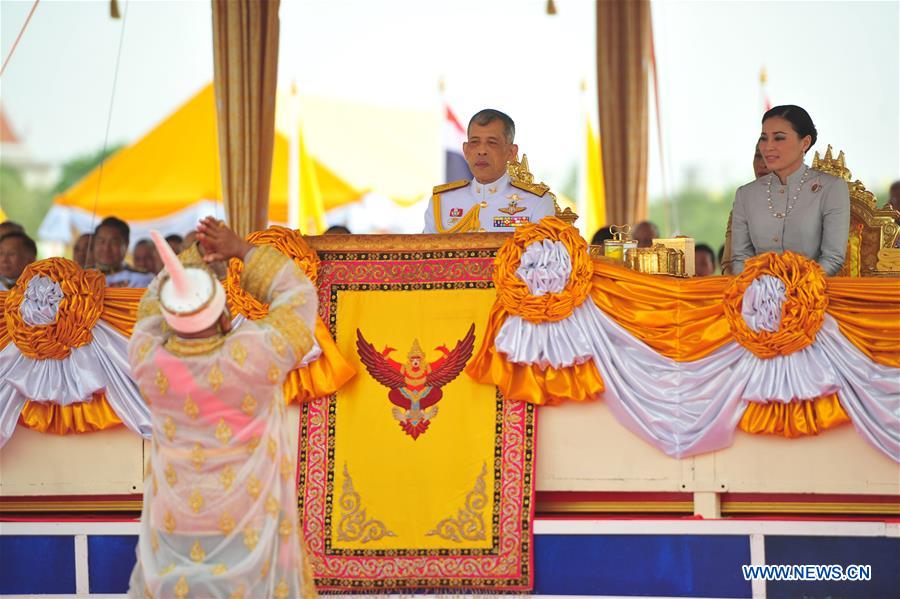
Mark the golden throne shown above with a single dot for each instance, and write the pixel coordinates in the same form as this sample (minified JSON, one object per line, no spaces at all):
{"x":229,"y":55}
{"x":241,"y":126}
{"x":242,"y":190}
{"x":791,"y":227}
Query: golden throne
{"x":518,"y":172}
{"x":873,"y":231}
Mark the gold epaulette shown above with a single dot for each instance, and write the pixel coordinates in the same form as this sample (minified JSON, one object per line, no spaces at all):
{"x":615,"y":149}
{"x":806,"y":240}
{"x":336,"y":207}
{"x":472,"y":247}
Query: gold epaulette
{"x":538,"y":189}
{"x":449,"y":186}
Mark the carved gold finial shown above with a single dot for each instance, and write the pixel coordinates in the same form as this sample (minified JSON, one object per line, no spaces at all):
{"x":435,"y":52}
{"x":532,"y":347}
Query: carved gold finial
{"x":518,"y":171}
{"x":830,"y":166}
{"x":521,"y":177}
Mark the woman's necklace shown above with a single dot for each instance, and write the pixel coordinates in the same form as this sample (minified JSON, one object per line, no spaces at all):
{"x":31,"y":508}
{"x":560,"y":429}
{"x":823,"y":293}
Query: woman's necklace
{"x":793,"y":201}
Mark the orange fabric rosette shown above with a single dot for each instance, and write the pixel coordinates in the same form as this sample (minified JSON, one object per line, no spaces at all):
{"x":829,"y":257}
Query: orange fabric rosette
{"x":579,"y":382}
{"x":323,"y":376}
{"x":288,"y":242}
{"x":512,"y":292}
{"x":86,"y":299}
{"x":77,"y":313}
{"x":802,"y":312}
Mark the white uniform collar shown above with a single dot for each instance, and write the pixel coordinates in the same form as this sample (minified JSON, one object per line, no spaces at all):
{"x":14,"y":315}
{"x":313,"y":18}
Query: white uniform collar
{"x":490,"y":190}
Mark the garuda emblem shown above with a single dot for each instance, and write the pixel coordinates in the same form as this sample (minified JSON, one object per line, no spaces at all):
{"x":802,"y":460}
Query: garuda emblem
{"x":415,"y":386}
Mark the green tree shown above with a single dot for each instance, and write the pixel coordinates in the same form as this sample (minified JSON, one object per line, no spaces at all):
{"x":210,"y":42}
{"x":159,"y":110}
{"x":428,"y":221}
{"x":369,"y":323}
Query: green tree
{"x":699,"y":213}
{"x":76,"y":168}
{"x":22,"y":204}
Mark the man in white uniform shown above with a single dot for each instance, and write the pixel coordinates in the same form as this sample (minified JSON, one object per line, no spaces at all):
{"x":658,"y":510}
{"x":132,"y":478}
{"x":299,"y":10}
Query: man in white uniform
{"x":491,"y":202}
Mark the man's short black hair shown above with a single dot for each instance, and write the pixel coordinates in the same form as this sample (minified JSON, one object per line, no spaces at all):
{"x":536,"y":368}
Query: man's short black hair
{"x":602,"y":234}
{"x":702,"y":247}
{"x":12,"y":226}
{"x":26,"y":241}
{"x":118,"y":224}
{"x":488,"y":116}
{"x":175,"y":238}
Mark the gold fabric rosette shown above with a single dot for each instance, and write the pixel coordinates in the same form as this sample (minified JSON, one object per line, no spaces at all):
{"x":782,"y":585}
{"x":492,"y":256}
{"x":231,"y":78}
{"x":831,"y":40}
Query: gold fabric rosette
{"x":526,"y":382}
{"x":86,"y":300}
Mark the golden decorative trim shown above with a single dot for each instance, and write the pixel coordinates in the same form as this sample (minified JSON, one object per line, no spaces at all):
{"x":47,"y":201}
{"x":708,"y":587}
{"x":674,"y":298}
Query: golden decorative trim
{"x":470,"y":222}
{"x":223,"y":432}
{"x":251,"y":538}
{"x":215,"y":378}
{"x":289,"y":325}
{"x":162,"y":382}
{"x":181,"y":588}
{"x":469,"y":522}
{"x":582,"y":507}
{"x":260,"y":269}
{"x":148,"y":307}
{"x":238,"y":352}
{"x":811,"y":507}
{"x":197,"y":552}
{"x":194,"y":347}
{"x":128,"y":505}
{"x":407,"y":243}
{"x":521,"y":177}
{"x":449,"y":186}
{"x":353,"y":525}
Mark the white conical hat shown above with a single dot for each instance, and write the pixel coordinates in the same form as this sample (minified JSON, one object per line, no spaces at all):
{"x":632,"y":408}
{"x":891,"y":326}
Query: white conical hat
{"x":191,"y":297}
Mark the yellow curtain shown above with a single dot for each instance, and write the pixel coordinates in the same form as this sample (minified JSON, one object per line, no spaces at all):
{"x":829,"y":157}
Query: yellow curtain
{"x":595,"y":190}
{"x":623,"y":58}
{"x":245,"y":53}
{"x":312,"y":208}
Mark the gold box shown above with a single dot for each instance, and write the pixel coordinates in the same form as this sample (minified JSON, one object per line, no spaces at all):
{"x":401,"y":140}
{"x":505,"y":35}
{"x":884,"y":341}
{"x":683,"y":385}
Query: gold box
{"x":686,"y":245}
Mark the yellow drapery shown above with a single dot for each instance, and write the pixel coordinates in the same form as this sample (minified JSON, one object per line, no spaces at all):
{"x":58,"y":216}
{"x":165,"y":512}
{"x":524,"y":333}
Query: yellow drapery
{"x":867,"y":310}
{"x":245,"y":56}
{"x":623,"y":57}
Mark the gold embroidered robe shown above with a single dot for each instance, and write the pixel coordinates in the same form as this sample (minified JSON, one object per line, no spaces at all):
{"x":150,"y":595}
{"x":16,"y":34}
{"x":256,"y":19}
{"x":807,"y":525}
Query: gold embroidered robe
{"x":220,"y":501}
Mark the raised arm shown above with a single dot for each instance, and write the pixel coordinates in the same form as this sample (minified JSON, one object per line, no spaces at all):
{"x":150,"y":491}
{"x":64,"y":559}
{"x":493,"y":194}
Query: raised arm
{"x":274,"y":279}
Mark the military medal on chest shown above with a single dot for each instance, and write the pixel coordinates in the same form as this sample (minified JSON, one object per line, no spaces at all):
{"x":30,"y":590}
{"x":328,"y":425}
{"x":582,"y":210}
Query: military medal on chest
{"x":513,"y":208}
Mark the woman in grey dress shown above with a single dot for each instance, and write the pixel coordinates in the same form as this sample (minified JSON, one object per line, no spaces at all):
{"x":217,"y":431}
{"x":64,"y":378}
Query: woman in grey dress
{"x":794,"y":207}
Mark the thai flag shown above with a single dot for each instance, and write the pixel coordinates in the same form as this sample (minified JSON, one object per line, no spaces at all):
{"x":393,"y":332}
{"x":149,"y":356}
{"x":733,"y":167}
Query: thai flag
{"x":455,"y":167}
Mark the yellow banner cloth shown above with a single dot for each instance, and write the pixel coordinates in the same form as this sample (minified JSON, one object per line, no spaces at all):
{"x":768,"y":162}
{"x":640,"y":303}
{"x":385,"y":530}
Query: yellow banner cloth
{"x":410,"y":485}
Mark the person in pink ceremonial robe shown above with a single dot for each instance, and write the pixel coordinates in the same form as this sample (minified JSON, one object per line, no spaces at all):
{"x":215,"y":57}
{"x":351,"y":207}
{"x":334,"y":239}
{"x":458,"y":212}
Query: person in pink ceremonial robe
{"x":220,"y":501}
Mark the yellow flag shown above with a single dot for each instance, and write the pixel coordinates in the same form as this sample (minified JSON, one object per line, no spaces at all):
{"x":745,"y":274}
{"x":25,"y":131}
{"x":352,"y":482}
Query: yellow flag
{"x":312,"y":208}
{"x":595,"y":191}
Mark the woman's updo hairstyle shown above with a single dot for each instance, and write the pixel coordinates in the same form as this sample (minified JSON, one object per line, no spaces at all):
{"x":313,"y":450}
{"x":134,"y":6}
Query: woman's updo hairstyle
{"x":798,"y":118}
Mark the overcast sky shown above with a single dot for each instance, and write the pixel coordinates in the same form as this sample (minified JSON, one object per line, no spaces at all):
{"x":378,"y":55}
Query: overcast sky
{"x":840,"y":60}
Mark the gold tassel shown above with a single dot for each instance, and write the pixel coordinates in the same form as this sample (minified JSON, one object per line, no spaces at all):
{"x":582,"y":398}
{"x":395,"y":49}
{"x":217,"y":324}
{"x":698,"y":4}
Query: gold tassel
{"x":551,"y":7}
{"x":114,"y":9}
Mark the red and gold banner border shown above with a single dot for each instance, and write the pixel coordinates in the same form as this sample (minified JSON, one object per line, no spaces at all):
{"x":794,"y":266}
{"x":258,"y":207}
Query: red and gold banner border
{"x":508,"y":564}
